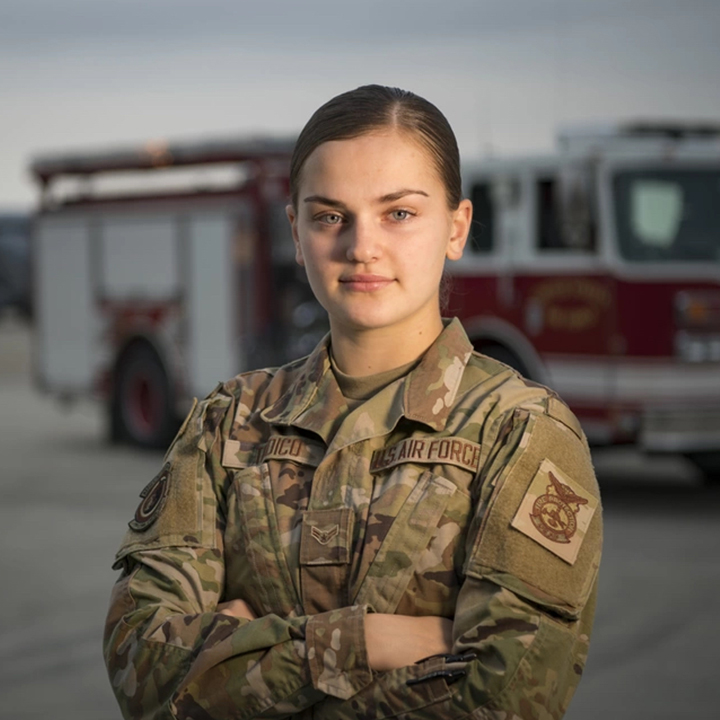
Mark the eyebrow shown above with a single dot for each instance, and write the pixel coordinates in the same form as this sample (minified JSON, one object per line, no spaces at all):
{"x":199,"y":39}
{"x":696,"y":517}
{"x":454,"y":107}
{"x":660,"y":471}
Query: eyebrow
{"x":401,"y":194}
{"x":324,"y":201}
{"x":390,"y":197}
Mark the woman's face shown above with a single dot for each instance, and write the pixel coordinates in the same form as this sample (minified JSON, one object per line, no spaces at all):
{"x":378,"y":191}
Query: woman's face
{"x":373,"y":229}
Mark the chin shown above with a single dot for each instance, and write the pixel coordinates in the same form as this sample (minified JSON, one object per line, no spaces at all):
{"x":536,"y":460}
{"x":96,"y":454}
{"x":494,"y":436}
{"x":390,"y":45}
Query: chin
{"x":367,"y":320}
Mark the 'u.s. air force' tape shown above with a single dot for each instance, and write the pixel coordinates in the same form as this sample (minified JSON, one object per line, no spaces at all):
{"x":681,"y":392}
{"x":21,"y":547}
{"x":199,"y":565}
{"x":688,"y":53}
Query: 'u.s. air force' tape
{"x":449,"y":451}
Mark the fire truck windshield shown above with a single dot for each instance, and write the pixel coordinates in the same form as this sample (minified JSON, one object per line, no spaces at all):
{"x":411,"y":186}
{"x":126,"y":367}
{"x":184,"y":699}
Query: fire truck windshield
{"x":668,"y":215}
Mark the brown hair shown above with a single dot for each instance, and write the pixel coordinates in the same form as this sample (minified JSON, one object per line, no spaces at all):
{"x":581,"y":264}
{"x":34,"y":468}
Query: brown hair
{"x":373,"y":107}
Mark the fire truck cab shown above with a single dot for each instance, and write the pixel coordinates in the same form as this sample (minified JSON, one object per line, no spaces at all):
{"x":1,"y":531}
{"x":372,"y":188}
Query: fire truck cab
{"x":596,"y":271}
{"x":161,"y":270}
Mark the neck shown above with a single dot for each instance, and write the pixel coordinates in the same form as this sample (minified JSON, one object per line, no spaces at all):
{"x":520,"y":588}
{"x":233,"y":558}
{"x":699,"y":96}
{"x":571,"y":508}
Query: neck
{"x":361,"y":352}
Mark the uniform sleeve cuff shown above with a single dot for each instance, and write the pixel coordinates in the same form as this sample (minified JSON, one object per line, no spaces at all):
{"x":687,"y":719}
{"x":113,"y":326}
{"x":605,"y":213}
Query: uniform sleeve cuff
{"x":337,"y":653}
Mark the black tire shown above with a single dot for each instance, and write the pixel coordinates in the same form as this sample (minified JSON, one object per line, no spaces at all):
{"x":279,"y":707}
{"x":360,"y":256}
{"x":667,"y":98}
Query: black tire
{"x":708,"y":462}
{"x":142,"y":411}
{"x":503,"y":355}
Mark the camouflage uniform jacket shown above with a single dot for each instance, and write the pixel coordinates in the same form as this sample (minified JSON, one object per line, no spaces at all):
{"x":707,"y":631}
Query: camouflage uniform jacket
{"x":459,"y":490}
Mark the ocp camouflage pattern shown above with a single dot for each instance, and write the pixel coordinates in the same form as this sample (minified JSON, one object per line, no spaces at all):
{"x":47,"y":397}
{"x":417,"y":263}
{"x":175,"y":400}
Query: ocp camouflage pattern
{"x":281,"y":496}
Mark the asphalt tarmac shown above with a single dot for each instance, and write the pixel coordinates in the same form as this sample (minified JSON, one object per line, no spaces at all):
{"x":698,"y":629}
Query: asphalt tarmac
{"x":66,"y":496}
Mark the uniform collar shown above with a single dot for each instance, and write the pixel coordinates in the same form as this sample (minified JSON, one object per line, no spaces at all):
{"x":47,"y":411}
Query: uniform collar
{"x":426,"y":394}
{"x":431,"y":388}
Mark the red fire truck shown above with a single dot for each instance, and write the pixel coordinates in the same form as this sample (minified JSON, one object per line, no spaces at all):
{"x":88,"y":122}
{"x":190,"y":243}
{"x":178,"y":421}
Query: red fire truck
{"x":594,"y":270}
{"x":160,"y":271}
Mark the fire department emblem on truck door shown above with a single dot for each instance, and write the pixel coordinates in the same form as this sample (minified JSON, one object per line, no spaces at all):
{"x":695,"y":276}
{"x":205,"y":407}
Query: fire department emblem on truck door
{"x":153,"y":498}
{"x":555,"y":512}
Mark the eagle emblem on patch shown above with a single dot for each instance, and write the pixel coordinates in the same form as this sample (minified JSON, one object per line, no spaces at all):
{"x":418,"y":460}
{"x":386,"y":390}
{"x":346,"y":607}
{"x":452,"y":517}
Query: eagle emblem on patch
{"x":152,"y":500}
{"x":555,"y":512}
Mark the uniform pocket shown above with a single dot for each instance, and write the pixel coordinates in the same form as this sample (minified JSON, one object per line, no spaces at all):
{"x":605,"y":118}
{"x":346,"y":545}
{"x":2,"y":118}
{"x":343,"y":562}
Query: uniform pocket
{"x":256,"y":567}
{"x":326,"y":537}
{"x":407,"y":538}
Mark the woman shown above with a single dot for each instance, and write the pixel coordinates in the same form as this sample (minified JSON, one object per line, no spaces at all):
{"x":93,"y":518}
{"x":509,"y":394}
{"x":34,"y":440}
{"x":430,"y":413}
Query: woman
{"x":395,"y":524}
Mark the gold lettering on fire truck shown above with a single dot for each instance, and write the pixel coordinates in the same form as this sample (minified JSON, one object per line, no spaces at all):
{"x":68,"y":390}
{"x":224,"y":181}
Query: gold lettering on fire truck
{"x":571,"y":304}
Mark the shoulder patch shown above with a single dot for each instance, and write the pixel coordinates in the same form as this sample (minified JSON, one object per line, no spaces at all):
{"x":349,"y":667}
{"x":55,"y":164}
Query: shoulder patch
{"x":555,"y":512}
{"x":153,"y":498}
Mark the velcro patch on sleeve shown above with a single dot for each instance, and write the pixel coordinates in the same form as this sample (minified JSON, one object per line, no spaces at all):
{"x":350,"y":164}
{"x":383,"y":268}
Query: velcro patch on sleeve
{"x":555,"y":512}
{"x":448,"y":450}
{"x":178,"y":506}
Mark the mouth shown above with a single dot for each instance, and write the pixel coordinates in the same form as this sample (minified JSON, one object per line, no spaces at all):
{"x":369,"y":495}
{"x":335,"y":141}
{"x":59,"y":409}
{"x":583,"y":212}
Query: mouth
{"x":365,"y":283}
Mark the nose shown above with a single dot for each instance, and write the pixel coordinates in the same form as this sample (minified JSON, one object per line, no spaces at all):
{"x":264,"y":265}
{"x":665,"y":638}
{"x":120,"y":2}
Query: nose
{"x":363,"y":246}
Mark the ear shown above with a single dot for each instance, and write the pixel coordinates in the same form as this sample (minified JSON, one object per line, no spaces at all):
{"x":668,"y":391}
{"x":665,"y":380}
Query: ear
{"x":292,"y":217}
{"x":460,"y":229}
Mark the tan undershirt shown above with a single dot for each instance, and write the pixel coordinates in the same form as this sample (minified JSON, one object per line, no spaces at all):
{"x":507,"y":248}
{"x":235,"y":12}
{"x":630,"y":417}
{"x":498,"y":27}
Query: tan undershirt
{"x":357,"y":389}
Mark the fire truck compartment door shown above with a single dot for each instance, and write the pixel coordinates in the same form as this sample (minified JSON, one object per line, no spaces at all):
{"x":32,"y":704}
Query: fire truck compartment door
{"x":64,"y":302}
{"x":210,"y":302}
{"x":139,"y":258}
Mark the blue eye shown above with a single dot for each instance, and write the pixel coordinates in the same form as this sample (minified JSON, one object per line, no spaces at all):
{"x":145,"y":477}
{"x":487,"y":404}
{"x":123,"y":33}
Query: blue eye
{"x":400,"y":215}
{"x":330,"y":219}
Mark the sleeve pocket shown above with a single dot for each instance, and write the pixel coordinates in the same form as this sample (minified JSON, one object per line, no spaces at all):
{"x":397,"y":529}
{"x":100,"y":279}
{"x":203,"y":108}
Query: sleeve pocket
{"x":514,"y":554}
{"x":186,"y":515}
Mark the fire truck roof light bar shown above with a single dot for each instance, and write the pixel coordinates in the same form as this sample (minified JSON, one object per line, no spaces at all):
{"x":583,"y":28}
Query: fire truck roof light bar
{"x":161,"y":154}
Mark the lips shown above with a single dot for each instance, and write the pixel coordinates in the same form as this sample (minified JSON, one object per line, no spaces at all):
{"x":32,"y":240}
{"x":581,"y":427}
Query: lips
{"x":365,"y":283}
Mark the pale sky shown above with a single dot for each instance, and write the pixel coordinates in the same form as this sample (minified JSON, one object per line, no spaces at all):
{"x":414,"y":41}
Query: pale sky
{"x":93,"y":74}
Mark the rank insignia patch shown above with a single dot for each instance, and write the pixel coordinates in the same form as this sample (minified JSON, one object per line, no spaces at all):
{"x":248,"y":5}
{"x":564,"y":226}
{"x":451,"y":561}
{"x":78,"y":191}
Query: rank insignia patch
{"x":153,"y":498}
{"x":324,"y":535}
{"x":555,"y":512}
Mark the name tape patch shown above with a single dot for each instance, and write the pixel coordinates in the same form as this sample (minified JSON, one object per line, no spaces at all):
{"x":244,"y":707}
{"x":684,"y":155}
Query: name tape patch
{"x":290,"y":447}
{"x":449,"y":451}
{"x":279,"y":447}
{"x":555,"y":512}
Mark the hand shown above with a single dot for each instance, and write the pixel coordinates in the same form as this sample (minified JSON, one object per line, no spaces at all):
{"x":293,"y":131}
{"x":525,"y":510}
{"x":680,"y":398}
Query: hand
{"x":395,"y":641}
{"x":236,"y":608}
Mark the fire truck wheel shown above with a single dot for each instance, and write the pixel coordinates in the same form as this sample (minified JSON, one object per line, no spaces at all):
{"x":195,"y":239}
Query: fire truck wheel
{"x":503,"y":355}
{"x":142,"y":409}
{"x":708,"y":463}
